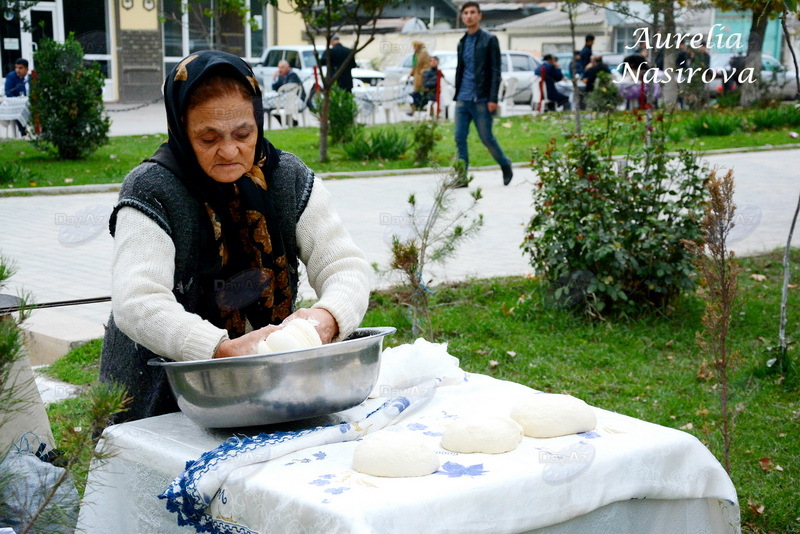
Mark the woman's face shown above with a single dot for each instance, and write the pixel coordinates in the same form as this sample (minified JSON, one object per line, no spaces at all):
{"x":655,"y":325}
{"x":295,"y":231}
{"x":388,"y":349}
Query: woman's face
{"x":223,"y":132}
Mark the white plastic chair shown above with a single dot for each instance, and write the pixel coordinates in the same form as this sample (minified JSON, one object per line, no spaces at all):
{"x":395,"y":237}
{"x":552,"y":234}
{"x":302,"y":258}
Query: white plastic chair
{"x":288,"y":105}
{"x":505,"y":96}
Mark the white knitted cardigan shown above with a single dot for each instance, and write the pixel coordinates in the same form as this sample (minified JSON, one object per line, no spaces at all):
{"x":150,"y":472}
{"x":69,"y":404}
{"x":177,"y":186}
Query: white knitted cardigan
{"x":145,"y":308}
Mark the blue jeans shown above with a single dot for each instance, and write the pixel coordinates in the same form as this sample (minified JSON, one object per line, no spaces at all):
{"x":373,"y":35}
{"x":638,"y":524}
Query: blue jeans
{"x":467,"y":112}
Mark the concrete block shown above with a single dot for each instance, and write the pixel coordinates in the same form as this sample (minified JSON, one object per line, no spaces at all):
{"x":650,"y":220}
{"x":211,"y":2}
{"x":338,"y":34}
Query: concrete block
{"x":50,"y":334}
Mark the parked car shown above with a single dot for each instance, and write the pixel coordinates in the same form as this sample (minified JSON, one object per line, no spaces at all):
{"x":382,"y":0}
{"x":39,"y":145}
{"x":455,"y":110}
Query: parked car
{"x":519,"y":65}
{"x":301,"y":59}
{"x":780,"y":82}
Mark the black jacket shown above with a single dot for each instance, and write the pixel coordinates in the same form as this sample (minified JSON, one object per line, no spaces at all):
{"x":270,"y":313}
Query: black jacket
{"x":339,"y":53}
{"x":487,"y":66}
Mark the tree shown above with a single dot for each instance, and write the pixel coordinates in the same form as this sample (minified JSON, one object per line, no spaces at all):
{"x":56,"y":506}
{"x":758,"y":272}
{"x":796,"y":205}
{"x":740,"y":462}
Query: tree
{"x":324,"y":18}
{"x":16,"y":7}
{"x":761,"y":11}
{"x":67,"y":100}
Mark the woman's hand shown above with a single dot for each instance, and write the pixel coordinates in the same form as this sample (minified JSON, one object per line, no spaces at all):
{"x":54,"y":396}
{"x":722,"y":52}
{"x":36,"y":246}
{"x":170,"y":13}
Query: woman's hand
{"x":321,"y":319}
{"x":246,"y":344}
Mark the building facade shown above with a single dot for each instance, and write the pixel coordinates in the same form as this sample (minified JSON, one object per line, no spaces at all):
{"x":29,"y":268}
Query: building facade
{"x":136,"y":41}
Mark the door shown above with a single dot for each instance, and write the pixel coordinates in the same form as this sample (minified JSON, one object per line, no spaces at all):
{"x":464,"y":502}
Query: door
{"x":45,"y":24}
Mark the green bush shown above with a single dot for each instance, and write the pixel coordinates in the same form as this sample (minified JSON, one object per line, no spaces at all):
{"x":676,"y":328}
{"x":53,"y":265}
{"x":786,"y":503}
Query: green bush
{"x":342,"y":116}
{"x":605,"y":98}
{"x":608,"y":233}
{"x":67,"y":101}
{"x":715,"y":124}
{"x":380,"y":144}
{"x":12,"y":173}
{"x":730,"y":99}
{"x":774,"y":118}
{"x":426,"y":135}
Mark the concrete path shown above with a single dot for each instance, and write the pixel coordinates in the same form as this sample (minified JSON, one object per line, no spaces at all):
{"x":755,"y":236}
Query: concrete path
{"x":62,"y":249}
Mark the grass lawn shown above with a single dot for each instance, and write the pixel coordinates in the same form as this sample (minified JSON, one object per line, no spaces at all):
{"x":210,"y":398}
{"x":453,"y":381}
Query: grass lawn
{"x":516,"y":136}
{"x":645,"y":367}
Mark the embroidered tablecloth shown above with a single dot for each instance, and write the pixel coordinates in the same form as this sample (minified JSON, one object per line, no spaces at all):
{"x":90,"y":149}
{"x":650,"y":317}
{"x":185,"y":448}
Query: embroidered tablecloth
{"x":624,"y":476}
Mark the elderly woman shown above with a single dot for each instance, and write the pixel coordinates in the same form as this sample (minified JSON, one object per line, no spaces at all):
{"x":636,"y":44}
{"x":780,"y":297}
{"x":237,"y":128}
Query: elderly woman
{"x":208,"y":233}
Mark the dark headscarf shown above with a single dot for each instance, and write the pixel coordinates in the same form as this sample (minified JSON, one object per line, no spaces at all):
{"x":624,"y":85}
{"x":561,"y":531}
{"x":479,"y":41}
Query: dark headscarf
{"x":243,"y":262}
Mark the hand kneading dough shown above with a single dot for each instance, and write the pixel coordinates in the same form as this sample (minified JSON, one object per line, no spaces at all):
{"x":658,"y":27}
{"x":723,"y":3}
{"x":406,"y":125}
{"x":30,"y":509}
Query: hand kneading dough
{"x":548,"y":415}
{"x":490,"y":435}
{"x":389,"y":454}
{"x":297,"y":334}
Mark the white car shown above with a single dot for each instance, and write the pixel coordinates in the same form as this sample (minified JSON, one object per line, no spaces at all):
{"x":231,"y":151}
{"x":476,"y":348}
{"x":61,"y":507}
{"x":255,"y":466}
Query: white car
{"x":301,"y":59}
{"x":519,"y":65}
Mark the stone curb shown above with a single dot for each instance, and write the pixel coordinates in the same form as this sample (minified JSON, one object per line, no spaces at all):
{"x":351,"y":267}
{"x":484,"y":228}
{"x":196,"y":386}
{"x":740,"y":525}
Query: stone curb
{"x":110,"y":188}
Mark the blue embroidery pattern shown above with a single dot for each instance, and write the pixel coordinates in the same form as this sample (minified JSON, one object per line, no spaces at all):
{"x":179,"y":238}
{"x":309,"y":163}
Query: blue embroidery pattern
{"x":590,"y":435}
{"x":456,"y":470}
{"x":185,"y":498}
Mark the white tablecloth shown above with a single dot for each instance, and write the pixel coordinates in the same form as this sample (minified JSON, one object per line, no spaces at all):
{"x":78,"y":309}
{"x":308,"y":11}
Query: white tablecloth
{"x":14,"y":108}
{"x":625,"y":476}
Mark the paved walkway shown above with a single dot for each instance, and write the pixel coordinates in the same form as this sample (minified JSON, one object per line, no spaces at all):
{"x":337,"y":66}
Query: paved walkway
{"x":62,"y":249}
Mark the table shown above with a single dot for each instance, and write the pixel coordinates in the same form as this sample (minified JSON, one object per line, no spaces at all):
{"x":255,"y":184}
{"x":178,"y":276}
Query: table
{"x":371,"y":99}
{"x":14,"y":108}
{"x":624,"y":476}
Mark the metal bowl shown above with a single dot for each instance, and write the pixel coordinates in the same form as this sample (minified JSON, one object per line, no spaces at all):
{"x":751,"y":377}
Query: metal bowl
{"x":272,"y":388}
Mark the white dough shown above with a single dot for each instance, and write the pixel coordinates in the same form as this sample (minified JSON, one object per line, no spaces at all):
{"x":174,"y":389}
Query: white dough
{"x":547,"y":415}
{"x":296,"y":334}
{"x":491,"y":435}
{"x":391,"y":454}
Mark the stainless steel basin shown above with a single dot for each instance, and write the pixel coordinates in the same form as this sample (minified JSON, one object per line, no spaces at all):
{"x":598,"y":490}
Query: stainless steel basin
{"x":274,"y":388}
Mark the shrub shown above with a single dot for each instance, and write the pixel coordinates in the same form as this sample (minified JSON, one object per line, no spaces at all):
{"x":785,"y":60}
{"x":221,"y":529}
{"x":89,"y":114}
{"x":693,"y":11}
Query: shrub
{"x":715,"y":124}
{"x":605,"y":98}
{"x":426,"y":135}
{"x":342,"y":116}
{"x":608,"y":232}
{"x":380,"y":144}
{"x":13,"y":174}
{"x":774,"y":118}
{"x":66,"y":100}
{"x":730,"y":99}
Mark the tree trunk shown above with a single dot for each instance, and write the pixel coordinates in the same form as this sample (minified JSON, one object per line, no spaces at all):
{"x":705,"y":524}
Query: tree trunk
{"x":670,"y":55}
{"x":751,"y":92}
{"x":323,"y":124}
{"x":576,"y":95}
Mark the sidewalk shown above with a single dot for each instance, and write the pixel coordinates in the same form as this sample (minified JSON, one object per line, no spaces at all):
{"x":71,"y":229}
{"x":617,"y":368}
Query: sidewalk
{"x":62,"y":248}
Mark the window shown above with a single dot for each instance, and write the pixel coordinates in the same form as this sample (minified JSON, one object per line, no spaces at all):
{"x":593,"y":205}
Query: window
{"x":87,"y":19}
{"x":309,"y":59}
{"x":293,"y":58}
{"x":448,"y":61}
{"x":187,"y":28}
{"x":521,"y":63}
{"x":273,"y":57}
{"x":257,"y":28}
{"x":624,"y":37}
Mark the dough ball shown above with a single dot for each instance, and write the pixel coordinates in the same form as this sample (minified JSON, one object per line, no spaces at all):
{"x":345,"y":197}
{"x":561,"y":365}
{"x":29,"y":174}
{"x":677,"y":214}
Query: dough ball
{"x":490,"y":434}
{"x":296,"y":334}
{"x":549,"y":415}
{"x":391,"y":454}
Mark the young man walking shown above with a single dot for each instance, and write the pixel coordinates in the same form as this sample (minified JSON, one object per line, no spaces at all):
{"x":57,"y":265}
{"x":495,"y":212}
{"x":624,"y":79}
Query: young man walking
{"x":477,"y":85}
